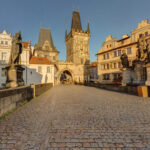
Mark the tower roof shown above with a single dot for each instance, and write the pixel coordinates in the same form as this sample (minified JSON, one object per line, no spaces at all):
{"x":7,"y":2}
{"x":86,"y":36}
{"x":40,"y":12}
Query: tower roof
{"x":45,"y":35}
{"x":76,"y":22}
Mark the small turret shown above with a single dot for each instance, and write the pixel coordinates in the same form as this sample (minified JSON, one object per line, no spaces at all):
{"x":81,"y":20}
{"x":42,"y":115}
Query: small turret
{"x":88,"y":28}
{"x":66,"y":33}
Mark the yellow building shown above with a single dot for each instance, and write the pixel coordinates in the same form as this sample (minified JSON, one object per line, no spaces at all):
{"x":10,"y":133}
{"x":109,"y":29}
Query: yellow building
{"x":109,"y":63}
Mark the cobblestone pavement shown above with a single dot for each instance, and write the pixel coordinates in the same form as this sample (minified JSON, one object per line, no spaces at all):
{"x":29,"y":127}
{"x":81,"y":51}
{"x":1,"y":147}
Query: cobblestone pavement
{"x":78,"y":118}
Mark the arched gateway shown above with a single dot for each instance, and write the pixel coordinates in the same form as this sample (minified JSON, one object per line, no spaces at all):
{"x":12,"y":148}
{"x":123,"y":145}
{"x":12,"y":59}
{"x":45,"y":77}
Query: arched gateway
{"x":66,"y":77}
{"x":76,"y":67}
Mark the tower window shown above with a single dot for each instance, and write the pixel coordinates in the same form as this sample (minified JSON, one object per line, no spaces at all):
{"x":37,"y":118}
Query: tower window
{"x":81,"y":60}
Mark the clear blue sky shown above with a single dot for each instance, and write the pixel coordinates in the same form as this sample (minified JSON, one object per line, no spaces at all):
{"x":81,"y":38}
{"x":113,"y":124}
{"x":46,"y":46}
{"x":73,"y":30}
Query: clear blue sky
{"x":114,"y":17}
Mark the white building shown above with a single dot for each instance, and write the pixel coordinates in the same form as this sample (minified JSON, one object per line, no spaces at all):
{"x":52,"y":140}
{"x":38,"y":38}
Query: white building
{"x":37,"y":69}
{"x":5,"y":47}
{"x":40,"y":70}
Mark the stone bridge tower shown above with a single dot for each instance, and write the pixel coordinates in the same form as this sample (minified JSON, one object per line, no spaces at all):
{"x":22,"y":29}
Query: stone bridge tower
{"x":77,"y":43}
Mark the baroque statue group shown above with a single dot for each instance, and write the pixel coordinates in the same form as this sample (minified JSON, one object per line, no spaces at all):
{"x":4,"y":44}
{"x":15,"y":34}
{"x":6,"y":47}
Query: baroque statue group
{"x":139,"y":72}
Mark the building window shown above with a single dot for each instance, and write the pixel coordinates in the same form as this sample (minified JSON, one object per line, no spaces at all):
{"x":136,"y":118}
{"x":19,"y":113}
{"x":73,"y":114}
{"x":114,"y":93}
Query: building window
{"x":103,"y":67}
{"x":115,"y":53}
{"x":146,"y":33}
{"x":104,"y":56}
{"x":107,"y":66}
{"x":3,"y":73}
{"x":4,"y":55}
{"x":2,"y":42}
{"x":141,"y":35}
{"x":117,"y":76}
{"x":106,"y":77}
{"x":6,"y":42}
{"x":119,"y":53}
{"x":119,"y":65}
{"x":115,"y":66}
{"x":107,"y":55}
{"x":129,"y":51}
{"x":39,"y":69}
{"x":48,"y":69}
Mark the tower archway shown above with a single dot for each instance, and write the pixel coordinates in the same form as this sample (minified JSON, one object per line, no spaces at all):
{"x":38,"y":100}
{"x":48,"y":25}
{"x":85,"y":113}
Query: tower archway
{"x":66,"y":77}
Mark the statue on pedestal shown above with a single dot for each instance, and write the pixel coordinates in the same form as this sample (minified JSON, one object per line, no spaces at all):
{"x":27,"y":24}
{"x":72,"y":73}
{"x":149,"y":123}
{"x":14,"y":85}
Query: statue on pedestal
{"x":16,"y":49}
{"x":14,"y":69}
{"x":124,"y":60}
{"x":126,"y":75}
{"x":142,"y":58}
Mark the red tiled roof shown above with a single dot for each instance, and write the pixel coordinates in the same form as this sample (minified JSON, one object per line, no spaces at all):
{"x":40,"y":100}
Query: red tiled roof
{"x":25,"y":44}
{"x":93,"y":64}
{"x":40,"y":60}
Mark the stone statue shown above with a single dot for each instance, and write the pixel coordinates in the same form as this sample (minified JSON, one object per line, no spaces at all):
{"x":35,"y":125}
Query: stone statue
{"x":16,"y":49}
{"x":148,"y":50}
{"x":124,"y":60}
{"x":14,"y":69}
{"x":142,"y":52}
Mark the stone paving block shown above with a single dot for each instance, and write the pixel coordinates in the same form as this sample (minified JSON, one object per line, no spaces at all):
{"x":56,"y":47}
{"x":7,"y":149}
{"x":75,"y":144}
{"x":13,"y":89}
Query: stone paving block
{"x":77,"y":117}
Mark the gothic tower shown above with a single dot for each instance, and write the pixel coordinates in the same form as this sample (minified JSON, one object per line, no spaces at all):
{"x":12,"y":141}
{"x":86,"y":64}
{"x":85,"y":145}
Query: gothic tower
{"x":77,"y":42}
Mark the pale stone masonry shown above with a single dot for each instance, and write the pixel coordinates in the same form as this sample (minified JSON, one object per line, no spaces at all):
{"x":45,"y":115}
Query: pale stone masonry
{"x":45,"y":46}
{"x":77,"y":42}
{"x":77,"y":57}
{"x":109,"y":63}
{"x":79,"y":118}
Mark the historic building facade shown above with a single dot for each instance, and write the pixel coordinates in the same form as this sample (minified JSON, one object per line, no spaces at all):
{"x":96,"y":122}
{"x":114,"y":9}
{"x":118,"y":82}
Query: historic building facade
{"x":41,"y":62}
{"x":45,"y":46}
{"x":37,"y":69}
{"x":109,"y":63}
{"x":93,"y":72}
{"x":5,"y":47}
{"x":77,"y":65}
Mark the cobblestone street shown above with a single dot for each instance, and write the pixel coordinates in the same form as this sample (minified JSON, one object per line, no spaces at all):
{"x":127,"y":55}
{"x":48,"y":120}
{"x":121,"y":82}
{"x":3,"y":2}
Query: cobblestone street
{"x":78,"y":118}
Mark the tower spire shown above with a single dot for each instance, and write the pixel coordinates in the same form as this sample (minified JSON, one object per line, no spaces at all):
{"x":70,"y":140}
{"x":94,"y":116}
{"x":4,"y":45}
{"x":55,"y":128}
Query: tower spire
{"x":76,"y":22}
{"x":66,"y":33}
{"x":88,"y":27}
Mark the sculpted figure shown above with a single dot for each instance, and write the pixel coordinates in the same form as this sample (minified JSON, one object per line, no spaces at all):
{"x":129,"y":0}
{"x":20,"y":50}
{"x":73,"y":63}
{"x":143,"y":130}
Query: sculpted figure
{"x":124,"y":60}
{"x":148,"y":50}
{"x":142,"y":50}
{"x":16,"y":49}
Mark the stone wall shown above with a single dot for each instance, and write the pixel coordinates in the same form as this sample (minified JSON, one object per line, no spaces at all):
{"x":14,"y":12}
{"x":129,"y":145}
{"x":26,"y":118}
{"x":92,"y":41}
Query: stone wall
{"x":41,"y":88}
{"x":116,"y":87}
{"x":11,"y":98}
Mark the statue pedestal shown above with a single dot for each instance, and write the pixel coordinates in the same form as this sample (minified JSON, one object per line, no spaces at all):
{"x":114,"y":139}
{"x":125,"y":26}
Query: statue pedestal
{"x":126,"y":76}
{"x":14,"y":76}
{"x":138,"y":74}
{"x":148,"y":74}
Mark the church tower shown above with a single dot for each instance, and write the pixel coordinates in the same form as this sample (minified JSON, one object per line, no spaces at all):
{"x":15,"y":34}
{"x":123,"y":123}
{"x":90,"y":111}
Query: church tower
{"x":45,"y":46}
{"x":77,"y":42}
